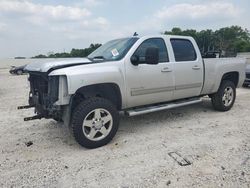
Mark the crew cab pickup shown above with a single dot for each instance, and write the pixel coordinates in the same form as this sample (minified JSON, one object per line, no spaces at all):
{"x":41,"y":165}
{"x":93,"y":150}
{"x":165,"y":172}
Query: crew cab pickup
{"x":131,"y":76}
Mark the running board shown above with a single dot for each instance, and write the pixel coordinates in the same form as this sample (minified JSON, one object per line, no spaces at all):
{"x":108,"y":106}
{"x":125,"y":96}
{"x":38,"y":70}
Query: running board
{"x":149,"y":109}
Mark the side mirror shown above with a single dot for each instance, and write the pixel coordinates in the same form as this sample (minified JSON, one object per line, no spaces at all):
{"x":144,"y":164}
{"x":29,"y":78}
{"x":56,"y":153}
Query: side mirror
{"x":134,"y":60}
{"x":152,"y":56}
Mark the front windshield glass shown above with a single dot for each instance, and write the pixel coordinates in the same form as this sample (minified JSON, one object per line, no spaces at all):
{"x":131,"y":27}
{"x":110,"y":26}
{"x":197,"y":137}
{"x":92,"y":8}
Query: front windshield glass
{"x":114,"y":49}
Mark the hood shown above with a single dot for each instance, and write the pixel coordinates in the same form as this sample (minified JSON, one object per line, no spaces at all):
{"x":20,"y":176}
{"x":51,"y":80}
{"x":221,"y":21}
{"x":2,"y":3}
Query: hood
{"x":248,"y":68}
{"x":41,"y":66}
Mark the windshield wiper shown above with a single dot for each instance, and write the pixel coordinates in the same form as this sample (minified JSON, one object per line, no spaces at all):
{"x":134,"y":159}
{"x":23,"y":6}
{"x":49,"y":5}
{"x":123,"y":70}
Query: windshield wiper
{"x":98,"y":57}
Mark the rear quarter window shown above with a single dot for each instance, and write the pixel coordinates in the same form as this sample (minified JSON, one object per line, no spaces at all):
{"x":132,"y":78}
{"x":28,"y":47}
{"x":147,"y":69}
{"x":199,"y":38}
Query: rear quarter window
{"x":183,"y":50}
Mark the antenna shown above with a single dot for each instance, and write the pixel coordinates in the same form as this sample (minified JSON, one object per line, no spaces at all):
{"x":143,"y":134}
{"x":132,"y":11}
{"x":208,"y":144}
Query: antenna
{"x":135,"y":34}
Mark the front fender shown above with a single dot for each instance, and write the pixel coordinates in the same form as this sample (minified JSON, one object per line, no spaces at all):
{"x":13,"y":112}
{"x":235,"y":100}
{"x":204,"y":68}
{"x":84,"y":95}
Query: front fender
{"x":80,"y":76}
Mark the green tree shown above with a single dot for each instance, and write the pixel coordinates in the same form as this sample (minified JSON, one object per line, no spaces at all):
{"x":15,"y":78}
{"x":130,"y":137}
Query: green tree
{"x":40,"y":56}
{"x":74,"y":52}
{"x":229,"y":39}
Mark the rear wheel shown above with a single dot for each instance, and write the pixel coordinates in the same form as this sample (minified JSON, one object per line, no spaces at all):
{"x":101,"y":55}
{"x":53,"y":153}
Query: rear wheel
{"x":224,"y":99}
{"x":95,"y":122}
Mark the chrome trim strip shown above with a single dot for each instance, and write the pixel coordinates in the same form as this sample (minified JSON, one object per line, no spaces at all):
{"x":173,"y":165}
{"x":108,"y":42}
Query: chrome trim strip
{"x":150,"y":91}
{"x":188,"y":86}
{"x":135,"y":92}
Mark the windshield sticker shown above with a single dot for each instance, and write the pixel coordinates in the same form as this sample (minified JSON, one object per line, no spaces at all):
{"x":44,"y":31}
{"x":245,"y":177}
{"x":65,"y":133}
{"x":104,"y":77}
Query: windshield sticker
{"x":115,"y":52}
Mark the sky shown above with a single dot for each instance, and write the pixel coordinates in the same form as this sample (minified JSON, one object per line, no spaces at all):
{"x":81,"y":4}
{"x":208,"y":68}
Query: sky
{"x":32,"y":27}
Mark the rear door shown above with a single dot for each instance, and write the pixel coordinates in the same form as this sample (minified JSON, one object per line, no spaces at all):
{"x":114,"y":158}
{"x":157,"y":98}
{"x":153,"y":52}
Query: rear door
{"x":188,"y":68}
{"x":148,"y":84}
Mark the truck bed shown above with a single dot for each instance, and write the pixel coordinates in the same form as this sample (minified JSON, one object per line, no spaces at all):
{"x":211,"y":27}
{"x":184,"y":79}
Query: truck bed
{"x":215,"y":68}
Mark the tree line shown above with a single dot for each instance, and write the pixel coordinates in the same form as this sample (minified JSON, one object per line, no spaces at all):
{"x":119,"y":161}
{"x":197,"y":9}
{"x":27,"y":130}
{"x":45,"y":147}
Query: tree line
{"x":227,"y":40}
{"x":73,"y":53}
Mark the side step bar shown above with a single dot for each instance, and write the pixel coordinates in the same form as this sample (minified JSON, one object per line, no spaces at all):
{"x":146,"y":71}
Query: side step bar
{"x":149,"y":109}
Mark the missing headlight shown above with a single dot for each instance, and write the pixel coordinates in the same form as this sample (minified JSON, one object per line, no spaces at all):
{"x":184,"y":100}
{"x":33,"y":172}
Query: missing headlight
{"x":53,"y":89}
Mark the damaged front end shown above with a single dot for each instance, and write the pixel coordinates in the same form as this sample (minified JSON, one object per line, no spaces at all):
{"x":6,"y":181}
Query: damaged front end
{"x":43,"y":94}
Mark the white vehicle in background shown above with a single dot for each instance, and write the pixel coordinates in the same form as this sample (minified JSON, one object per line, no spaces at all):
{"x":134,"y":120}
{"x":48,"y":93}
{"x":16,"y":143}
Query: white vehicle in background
{"x":134,"y":75}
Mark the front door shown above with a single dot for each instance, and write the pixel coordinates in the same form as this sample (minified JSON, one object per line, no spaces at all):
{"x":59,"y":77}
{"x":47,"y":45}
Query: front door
{"x":148,"y":84}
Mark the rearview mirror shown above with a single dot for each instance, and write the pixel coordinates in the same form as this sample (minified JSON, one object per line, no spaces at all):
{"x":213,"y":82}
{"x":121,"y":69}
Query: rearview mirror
{"x":152,"y":56}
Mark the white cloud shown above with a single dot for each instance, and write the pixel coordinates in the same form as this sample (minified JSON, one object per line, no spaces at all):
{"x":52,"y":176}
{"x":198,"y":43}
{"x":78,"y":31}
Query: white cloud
{"x":28,"y":27}
{"x":48,"y":27}
{"x":43,"y":12}
{"x":198,"y":11}
{"x":64,"y":20}
{"x":2,"y":26}
{"x":87,"y":29}
{"x":91,"y":3}
{"x":101,"y":21}
{"x":189,"y":15}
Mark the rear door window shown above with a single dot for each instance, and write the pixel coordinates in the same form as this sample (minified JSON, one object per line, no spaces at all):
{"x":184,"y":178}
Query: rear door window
{"x":183,"y":50}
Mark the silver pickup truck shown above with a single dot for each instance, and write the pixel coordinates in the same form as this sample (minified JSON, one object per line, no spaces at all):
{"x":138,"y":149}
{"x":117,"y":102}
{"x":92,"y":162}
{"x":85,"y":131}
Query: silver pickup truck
{"x":131,"y":76}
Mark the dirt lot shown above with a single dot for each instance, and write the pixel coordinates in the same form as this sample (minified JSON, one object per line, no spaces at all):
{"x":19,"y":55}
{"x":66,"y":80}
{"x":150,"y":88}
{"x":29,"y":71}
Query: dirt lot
{"x":217,"y":145}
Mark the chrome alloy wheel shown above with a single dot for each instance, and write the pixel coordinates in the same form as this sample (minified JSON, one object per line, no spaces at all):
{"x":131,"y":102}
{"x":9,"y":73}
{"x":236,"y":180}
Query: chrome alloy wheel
{"x":97,"y":124}
{"x":228,"y":96}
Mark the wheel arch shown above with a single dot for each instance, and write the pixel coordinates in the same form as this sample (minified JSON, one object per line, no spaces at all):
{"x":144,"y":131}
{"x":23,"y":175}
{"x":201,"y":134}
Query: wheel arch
{"x":231,"y":76}
{"x":109,"y":91}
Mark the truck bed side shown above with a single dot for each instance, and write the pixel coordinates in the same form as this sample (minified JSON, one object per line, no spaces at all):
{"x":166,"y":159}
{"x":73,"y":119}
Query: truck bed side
{"x":216,"y":68}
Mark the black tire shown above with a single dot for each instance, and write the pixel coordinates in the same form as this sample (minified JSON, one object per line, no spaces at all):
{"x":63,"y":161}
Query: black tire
{"x":81,"y":112}
{"x":217,"y":98}
{"x":58,"y":119}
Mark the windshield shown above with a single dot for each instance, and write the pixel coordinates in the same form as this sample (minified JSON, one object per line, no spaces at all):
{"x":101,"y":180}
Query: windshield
{"x":114,"y":49}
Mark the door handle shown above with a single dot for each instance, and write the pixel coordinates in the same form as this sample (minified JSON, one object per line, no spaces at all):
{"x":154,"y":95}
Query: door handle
{"x":196,"y":67}
{"x":166,"y":69}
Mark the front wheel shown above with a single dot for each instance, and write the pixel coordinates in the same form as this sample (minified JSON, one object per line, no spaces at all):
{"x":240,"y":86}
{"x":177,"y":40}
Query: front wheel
{"x":224,"y":99}
{"x":95,"y":122}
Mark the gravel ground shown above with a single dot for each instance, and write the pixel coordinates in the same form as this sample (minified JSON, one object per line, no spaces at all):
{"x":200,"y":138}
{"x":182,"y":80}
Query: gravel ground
{"x":212,"y":148}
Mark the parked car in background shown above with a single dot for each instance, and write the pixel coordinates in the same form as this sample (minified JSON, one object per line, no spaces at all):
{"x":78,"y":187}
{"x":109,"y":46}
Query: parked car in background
{"x":17,"y":70}
{"x":247,"y":80}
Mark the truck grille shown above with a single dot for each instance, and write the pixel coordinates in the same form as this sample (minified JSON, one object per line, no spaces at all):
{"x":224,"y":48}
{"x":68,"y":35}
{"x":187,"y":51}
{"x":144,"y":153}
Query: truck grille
{"x":43,"y":93}
{"x":39,"y":86}
{"x":248,"y":75}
